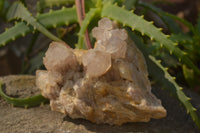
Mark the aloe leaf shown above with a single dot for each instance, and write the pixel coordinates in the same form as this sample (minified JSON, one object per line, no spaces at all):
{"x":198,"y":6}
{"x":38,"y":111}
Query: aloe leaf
{"x":20,"y":29}
{"x":190,"y":76}
{"x":91,"y":4}
{"x":171,"y":24}
{"x":140,"y":24}
{"x":64,"y":16}
{"x":42,"y":4}
{"x":198,"y":24}
{"x":4,"y":5}
{"x":23,"y":102}
{"x":1,"y":6}
{"x":170,"y":82}
{"x":119,"y":2}
{"x":159,"y":73}
{"x":36,"y":62}
{"x":166,"y":18}
{"x":185,"y":22}
{"x":130,"y":4}
{"x":183,"y":38}
{"x":17,"y":10}
{"x":89,"y":16}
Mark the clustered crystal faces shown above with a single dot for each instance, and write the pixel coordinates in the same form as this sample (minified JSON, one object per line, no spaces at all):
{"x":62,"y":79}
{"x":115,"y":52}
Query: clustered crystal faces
{"x":106,"y":84}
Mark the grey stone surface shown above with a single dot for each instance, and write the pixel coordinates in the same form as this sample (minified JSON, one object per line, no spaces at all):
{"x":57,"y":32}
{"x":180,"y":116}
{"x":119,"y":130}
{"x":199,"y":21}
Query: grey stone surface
{"x":43,"y":120}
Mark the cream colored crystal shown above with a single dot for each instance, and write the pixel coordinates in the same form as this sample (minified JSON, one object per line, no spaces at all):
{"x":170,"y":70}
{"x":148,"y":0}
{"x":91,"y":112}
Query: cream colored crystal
{"x":107,"y":84}
{"x":59,"y":58}
{"x":96,"y":63}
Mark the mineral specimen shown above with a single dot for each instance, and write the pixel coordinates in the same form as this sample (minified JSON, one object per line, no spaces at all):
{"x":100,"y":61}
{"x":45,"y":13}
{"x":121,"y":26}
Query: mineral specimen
{"x":107,"y":84}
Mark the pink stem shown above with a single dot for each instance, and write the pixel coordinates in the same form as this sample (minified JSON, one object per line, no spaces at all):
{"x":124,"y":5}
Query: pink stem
{"x":80,"y":8}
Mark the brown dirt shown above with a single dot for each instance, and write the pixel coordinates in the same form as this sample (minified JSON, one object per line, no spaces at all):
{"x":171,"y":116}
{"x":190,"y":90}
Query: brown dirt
{"x":43,"y":120}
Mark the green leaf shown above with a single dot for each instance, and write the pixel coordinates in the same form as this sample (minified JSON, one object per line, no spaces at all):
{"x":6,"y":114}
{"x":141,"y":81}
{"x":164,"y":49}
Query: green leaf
{"x":18,"y":30}
{"x":42,"y":4}
{"x":181,"y":38}
{"x":23,"y":102}
{"x":198,"y":24}
{"x":119,"y":2}
{"x":89,"y":16}
{"x":167,"y":80}
{"x":138,"y":23}
{"x":190,"y":76}
{"x":171,"y":23}
{"x":17,"y":10}
{"x":64,"y":16}
{"x":4,"y":5}
{"x":1,"y":5}
{"x":36,"y":62}
{"x":159,"y":73}
{"x":185,"y":22}
{"x":130,"y":4}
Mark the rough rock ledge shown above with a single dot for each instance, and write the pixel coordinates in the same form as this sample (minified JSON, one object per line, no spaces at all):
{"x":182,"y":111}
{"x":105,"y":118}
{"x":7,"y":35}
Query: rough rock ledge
{"x":43,"y":120}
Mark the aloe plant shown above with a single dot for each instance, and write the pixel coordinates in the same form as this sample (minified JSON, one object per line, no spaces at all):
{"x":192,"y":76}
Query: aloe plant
{"x":23,"y":102}
{"x":119,"y":11}
{"x":188,"y":41}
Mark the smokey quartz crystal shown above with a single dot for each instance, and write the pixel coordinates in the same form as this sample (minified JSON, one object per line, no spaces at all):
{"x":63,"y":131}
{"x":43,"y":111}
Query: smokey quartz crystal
{"x":106,"y":84}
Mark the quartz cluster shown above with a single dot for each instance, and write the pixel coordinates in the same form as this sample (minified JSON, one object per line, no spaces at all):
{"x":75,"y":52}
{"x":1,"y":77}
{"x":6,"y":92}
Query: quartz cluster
{"x":106,"y":84}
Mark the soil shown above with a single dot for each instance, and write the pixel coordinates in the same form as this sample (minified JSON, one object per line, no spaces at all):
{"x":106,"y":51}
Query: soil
{"x":43,"y":120}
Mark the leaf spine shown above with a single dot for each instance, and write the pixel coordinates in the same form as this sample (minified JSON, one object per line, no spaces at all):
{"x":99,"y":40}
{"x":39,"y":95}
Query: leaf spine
{"x":167,"y":36}
{"x":184,"y":53}
{"x":194,"y":109}
{"x":160,"y":29}
{"x":188,"y":111}
{"x":54,"y":25}
{"x":116,"y":4}
{"x":189,"y":99}
{"x":23,"y":34}
{"x":42,"y":104}
{"x":66,"y":23}
{"x":26,"y":106}
{"x":152,"y":22}
{"x":159,"y":61}
{"x":13,"y":38}
{"x":37,"y":14}
{"x":50,"y":11}
{"x":176,"y":44}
